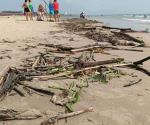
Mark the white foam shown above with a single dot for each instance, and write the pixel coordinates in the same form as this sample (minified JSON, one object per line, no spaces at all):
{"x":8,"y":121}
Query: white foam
{"x":139,"y":20}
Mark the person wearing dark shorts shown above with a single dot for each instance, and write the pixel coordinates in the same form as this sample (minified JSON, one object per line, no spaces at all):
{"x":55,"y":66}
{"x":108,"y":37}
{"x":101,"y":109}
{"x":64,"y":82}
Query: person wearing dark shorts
{"x":56,"y":10}
{"x":26,"y":10}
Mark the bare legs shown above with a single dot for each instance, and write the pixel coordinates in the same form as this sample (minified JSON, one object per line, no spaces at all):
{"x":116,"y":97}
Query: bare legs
{"x":27,"y":15}
{"x":31,"y":16}
{"x":56,"y":17}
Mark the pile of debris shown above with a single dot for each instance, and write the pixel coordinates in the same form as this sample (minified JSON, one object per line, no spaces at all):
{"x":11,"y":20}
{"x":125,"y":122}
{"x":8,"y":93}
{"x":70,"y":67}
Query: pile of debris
{"x":47,"y":66}
{"x":100,"y":33}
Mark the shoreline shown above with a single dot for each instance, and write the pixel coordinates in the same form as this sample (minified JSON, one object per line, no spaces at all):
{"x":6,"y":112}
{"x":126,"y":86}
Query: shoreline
{"x":21,"y":40}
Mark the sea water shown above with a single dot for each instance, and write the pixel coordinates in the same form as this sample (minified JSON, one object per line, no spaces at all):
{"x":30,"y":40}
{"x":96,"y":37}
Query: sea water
{"x":136,"y":22}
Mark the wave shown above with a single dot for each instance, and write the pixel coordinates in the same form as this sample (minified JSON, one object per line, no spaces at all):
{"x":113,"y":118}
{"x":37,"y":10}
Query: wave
{"x":139,"y":20}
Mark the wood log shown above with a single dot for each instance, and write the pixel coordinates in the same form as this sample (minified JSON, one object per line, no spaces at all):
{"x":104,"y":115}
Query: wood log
{"x":56,"y":118}
{"x":122,"y":29}
{"x":88,"y":28}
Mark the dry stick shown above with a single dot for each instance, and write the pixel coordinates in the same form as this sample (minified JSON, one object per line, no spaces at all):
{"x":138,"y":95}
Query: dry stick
{"x":122,"y":29}
{"x":142,"y":60}
{"x":19,"y":91}
{"x":3,"y":73}
{"x":58,"y":47}
{"x":132,"y":83}
{"x":36,"y":62}
{"x":39,"y":90}
{"x":90,"y":64}
{"x":9,"y":114}
{"x":8,"y":85}
{"x":103,"y":47}
{"x":52,"y":120}
{"x":140,"y":69}
{"x":47,"y":77}
{"x":85,"y":69}
{"x":129,"y":36}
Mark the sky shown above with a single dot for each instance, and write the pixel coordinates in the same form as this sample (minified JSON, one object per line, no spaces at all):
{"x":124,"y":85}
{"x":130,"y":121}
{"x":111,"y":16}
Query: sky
{"x":88,"y":6}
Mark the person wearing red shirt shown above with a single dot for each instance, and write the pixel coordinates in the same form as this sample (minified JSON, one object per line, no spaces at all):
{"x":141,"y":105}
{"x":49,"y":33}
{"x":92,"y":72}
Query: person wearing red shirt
{"x":56,"y":10}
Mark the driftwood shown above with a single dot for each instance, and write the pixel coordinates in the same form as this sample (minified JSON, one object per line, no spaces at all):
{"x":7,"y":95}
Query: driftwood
{"x":132,"y":83}
{"x":132,"y":65}
{"x":3,"y":74}
{"x":129,"y":37}
{"x":39,"y":90}
{"x":16,"y":89}
{"x":122,"y":29}
{"x":8,"y":85}
{"x":142,"y":60}
{"x":58,"y":47}
{"x":96,"y":46}
{"x":82,"y":64}
{"x":56,"y":118}
{"x":36,"y":62}
{"x":10,"y":114}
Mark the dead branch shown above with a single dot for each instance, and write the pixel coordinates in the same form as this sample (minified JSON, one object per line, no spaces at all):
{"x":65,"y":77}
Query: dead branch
{"x":36,"y":62}
{"x":142,"y":61}
{"x":16,"y":89}
{"x":122,"y":29}
{"x":10,"y":114}
{"x":129,"y":37}
{"x":132,"y":83}
{"x":39,"y":90}
{"x":91,"y":64}
{"x":3,"y":74}
{"x":8,"y":85}
{"x":91,"y":48}
{"x":56,"y":118}
{"x":132,"y":65}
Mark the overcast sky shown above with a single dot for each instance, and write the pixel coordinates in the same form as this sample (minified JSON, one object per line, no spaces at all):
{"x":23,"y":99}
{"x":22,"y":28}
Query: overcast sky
{"x":88,"y":6}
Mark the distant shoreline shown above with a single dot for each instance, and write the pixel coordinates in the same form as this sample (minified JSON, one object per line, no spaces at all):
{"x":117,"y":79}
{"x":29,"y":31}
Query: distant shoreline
{"x":10,"y":13}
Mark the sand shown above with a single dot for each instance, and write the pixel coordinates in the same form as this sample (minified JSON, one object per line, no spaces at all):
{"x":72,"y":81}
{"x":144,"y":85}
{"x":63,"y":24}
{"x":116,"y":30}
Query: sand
{"x":113,"y":104}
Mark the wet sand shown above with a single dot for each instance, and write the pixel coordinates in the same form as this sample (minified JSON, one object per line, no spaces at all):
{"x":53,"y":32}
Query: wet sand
{"x":113,"y":104}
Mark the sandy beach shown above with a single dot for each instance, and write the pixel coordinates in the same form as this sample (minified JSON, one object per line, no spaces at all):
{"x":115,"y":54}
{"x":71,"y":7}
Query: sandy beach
{"x":113,"y":104}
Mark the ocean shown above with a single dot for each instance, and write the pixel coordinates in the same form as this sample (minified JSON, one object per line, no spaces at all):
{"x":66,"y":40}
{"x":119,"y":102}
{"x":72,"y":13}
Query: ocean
{"x":136,"y":22}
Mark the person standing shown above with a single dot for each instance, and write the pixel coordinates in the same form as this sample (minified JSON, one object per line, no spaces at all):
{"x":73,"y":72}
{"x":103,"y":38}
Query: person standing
{"x":31,"y":9}
{"x":56,"y":10}
{"x":26,"y":9}
{"x":51,"y":9}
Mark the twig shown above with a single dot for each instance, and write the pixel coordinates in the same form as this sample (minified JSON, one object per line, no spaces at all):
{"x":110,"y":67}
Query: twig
{"x":132,"y":83}
{"x":36,"y":62}
{"x":54,"y":119}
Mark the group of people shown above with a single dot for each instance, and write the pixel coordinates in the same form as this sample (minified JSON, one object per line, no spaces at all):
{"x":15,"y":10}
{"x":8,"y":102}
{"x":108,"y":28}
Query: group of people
{"x":42,"y":11}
